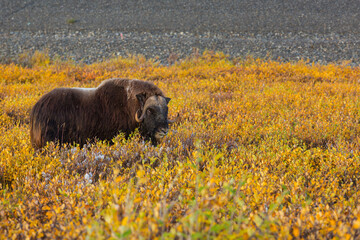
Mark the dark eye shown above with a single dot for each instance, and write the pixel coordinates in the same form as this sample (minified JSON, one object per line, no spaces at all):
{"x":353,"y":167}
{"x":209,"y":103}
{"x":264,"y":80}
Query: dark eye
{"x":150,"y":111}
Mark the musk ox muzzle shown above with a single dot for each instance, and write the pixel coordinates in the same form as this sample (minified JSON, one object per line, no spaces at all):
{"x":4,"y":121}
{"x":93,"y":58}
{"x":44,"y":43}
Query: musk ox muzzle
{"x":81,"y":115}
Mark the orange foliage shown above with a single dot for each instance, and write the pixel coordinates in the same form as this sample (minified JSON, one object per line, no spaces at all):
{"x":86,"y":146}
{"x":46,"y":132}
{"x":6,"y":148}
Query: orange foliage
{"x":262,"y":149}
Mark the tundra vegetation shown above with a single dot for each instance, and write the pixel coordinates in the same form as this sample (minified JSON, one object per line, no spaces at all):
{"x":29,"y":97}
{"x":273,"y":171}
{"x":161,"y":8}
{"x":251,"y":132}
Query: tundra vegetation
{"x":262,"y":149}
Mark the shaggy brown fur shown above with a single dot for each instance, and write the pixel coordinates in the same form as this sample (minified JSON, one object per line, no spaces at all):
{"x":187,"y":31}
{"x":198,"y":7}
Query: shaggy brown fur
{"x":77,"y":115}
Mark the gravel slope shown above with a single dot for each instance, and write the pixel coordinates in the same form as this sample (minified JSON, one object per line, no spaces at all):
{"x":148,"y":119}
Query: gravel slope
{"x":91,"y":30}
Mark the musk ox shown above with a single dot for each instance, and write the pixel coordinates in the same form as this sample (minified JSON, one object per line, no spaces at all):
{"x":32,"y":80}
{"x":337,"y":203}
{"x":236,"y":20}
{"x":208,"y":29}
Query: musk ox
{"x":79,"y":115}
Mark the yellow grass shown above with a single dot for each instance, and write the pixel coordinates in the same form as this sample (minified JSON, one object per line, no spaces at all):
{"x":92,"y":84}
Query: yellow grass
{"x":262,"y":149}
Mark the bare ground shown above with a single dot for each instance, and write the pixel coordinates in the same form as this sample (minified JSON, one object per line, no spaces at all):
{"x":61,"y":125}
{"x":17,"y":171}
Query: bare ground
{"x":320,"y":31}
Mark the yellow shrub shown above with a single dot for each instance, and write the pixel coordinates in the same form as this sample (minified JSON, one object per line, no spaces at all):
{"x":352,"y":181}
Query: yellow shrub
{"x":262,"y":149}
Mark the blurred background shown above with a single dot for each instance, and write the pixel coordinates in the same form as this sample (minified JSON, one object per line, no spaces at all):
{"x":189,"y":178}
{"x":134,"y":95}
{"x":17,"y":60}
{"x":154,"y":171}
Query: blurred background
{"x":168,"y":30}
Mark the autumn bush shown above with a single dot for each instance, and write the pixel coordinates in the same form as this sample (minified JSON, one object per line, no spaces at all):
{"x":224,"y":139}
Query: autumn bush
{"x":262,"y":149}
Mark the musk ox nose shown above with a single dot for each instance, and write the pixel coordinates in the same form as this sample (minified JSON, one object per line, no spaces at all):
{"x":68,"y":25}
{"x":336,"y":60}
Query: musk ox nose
{"x":160,"y":133}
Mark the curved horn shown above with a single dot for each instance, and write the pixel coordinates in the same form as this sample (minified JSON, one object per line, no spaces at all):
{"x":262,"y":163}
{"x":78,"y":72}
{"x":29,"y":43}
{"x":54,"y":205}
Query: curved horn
{"x":173,"y":121}
{"x":141,"y":117}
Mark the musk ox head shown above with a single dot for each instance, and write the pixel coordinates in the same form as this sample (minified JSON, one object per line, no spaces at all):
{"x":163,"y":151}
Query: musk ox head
{"x":152,"y":116}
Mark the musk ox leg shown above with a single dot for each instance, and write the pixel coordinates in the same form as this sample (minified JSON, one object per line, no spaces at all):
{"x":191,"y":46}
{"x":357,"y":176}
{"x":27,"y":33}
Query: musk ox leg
{"x":50,"y":132}
{"x":55,"y":132}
